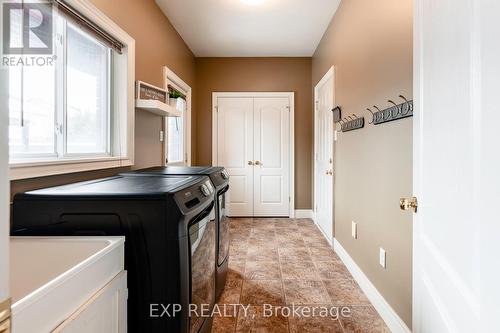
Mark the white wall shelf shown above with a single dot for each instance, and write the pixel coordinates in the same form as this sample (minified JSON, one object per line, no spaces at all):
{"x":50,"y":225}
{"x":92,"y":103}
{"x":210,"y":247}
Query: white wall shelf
{"x":157,"y":107}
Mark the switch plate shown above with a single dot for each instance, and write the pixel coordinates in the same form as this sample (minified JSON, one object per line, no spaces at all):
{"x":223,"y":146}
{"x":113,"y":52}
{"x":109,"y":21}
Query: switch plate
{"x":354,"y":230}
{"x":382,"y":258}
{"x":162,"y":136}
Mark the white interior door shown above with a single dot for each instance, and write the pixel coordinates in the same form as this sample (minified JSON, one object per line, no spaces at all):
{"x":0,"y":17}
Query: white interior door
{"x":456,"y":165}
{"x":272,"y":156}
{"x":235,"y":151}
{"x":324,"y":148}
{"x":4,"y":202}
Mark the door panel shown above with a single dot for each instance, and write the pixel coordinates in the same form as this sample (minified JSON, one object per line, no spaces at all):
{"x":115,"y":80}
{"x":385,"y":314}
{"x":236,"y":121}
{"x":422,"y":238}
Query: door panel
{"x":4,"y":194}
{"x":272,"y":157}
{"x":449,"y":156}
{"x":235,"y":150}
{"x":324,"y":157}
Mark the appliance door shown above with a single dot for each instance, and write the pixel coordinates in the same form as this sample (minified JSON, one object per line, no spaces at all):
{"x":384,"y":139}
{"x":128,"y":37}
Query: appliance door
{"x":202,"y":240}
{"x":223,"y":225}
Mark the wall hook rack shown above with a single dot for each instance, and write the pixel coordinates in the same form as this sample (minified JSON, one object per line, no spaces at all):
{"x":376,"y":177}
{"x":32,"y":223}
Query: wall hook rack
{"x":395,"y":112}
{"x":353,"y":124}
{"x":337,"y":114}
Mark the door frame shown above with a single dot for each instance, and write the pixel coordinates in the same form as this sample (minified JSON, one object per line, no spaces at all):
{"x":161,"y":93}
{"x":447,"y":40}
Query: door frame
{"x":330,"y":74}
{"x":291,"y":162}
{"x":172,"y":79}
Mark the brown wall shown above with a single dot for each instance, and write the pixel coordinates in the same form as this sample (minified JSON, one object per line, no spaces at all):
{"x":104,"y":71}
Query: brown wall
{"x":157,"y":44}
{"x":263,"y":75}
{"x":370,"y":44}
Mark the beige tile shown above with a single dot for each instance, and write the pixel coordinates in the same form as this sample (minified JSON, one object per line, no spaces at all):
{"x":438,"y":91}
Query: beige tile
{"x":323,"y":254}
{"x":232,"y":292}
{"x":255,"y":253}
{"x":236,"y":270}
{"x":290,"y":242}
{"x":294,"y":254}
{"x":314,"y":325}
{"x":262,"y":243}
{"x":305,"y":292}
{"x":332,"y":270}
{"x":263,"y":224}
{"x":262,"y":270}
{"x":255,"y":321}
{"x":258,"y":292}
{"x":263,"y":234}
{"x":345,"y":292}
{"x":363,"y":319}
{"x":224,"y":324}
{"x":298,"y":270}
{"x":238,"y":251}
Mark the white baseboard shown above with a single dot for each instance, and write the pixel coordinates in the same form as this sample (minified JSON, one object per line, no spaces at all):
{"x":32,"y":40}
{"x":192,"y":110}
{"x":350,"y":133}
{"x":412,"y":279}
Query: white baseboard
{"x":303,"y":213}
{"x":392,"y":320}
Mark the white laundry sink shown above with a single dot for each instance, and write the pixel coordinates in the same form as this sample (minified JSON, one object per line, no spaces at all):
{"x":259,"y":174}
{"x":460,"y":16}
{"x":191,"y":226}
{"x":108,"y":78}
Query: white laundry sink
{"x":51,"y":277}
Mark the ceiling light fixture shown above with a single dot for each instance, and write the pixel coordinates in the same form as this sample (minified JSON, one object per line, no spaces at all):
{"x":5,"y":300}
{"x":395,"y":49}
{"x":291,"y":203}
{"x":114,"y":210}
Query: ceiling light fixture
{"x":252,"y":2}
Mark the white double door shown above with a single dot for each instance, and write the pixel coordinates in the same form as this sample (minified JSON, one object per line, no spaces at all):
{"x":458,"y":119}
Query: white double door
{"x":253,"y":144}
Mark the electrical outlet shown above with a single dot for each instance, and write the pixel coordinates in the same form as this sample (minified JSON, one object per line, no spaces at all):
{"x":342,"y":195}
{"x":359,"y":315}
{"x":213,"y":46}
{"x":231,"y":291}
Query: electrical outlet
{"x":354,"y":230}
{"x":382,"y":258}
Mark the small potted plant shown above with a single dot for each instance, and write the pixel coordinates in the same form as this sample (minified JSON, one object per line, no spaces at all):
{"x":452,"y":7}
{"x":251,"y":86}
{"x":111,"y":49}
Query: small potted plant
{"x":173,"y":96}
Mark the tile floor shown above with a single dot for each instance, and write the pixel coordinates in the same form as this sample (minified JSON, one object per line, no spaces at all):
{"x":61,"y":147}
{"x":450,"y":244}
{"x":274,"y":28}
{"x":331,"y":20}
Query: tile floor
{"x":285,"y":262}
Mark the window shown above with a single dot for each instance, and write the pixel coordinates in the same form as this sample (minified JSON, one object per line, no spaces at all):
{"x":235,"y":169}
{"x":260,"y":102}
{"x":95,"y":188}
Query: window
{"x":77,"y":113}
{"x":178,"y":129}
{"x":62,"y":110}
{"x":175,"y":135}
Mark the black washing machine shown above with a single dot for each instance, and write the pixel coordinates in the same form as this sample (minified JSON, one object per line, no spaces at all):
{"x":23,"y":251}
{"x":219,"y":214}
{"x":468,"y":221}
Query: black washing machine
{"x":220,"y":180}
{"x":169,"y":234}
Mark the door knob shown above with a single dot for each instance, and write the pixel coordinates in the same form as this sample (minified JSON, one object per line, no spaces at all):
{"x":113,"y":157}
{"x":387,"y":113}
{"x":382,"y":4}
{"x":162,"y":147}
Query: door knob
{"x":250,"y":163}
{"x":330,"y":172}
{"x":408,"y":203}
{"x":257,"y":163}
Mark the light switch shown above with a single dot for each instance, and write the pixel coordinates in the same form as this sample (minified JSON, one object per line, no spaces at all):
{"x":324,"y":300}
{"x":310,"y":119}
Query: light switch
{"x":382,"y":259}
{"x":354,"y":230}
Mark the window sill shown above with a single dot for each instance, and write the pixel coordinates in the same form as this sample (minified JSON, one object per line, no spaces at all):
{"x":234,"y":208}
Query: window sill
{"x":51,"y":168}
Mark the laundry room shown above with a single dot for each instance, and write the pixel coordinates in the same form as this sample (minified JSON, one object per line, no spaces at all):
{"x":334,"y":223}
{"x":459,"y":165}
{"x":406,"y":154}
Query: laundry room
{"x":230,"y":166}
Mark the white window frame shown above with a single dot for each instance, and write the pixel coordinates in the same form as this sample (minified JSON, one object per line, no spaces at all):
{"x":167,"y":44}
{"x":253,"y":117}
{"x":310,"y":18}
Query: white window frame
{"x":122,"y":96}
{"x":173,"y":80}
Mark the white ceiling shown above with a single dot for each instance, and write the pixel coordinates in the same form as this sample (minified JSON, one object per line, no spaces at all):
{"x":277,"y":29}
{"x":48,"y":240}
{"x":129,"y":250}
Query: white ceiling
{"x":233,"y":28}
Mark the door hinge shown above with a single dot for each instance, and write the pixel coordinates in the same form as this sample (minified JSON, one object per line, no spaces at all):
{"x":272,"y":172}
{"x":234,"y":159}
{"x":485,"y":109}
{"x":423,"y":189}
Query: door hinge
{"x":288,"y":108}
{"x":216,"y":108}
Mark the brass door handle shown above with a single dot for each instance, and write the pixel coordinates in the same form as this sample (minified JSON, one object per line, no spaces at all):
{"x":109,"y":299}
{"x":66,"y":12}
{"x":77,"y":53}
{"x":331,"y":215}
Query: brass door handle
{"x":408,"y":203}
{"x":250,"y":163}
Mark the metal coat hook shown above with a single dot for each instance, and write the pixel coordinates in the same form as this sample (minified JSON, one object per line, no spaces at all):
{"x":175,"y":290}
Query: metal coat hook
{"x":373,"y":115}
{"x":405,"y":111}
{"x":404,"y":98}
{"x":396,"y":108}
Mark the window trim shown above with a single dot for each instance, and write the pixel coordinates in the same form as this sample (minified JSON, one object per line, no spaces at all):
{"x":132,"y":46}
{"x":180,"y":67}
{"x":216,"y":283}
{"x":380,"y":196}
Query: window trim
{"x":176,"y":82}
{"x":122,"y":99}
